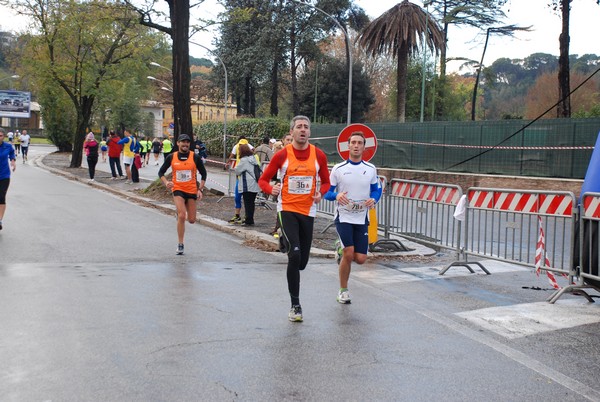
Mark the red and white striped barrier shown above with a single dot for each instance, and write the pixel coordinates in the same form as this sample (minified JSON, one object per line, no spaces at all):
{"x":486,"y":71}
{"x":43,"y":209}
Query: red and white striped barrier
{"x":591,"y":206}
{"x":426,"y":191}
{"x":521,"y":201}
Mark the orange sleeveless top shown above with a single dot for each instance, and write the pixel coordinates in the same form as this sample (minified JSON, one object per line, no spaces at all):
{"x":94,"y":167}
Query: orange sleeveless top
{"x":184,"y":174}
{"x":299,"y":183}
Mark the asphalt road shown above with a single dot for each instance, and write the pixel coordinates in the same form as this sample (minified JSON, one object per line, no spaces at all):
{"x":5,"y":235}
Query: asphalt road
{"x":95,"y":306}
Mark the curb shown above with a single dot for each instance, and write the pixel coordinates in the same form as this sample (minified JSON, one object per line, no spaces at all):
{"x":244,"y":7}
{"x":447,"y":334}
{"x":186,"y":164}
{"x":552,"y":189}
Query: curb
{"x":206,"y":220}
{"x":268,"y":241}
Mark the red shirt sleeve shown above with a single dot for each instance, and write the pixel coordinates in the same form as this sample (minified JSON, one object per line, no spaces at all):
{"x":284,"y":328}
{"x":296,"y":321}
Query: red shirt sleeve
{"x":323,"y":172}
{"x":271,"y":170}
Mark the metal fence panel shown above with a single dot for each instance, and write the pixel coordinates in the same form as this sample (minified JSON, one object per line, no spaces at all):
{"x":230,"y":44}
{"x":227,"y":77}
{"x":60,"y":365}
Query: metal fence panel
{"x":503,"y":224}
{"x":424,"y":212}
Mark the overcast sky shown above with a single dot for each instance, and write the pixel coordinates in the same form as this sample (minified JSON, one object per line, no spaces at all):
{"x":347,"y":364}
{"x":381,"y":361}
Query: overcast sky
{"x":546,"y":27}
{"x":463,"y":42}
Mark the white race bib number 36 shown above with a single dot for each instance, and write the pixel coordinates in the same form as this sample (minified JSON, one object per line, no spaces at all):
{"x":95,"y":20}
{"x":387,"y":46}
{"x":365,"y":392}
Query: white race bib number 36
{"x":300,"y":184}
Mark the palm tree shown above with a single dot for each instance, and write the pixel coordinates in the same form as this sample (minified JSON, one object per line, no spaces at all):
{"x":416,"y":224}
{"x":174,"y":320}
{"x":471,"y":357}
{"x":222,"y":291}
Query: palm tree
{"x":398,"y":32}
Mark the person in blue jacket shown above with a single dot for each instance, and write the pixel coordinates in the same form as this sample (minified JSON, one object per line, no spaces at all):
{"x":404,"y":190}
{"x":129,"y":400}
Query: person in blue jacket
{"x":8,"y":162}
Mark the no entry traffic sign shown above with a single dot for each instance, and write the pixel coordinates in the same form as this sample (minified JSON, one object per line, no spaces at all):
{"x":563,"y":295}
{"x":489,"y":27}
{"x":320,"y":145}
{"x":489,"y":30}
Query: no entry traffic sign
{"x":370,"y":141}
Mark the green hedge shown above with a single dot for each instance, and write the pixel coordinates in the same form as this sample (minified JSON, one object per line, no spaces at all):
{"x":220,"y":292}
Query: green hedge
{"x":253,"y":129}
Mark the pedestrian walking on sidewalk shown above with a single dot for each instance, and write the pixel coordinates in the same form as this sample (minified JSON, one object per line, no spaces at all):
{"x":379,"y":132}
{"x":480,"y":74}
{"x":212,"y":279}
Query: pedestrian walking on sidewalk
{"x":355,"y":188}
{"x":301,"y":166}
{"x":8,"y":162}
{"x":184,"y":184}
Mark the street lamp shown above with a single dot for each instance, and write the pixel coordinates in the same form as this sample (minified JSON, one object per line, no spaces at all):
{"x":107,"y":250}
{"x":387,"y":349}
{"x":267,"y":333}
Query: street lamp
{"x":225,"y":101}
{"x":348,"y":53}
{"x":170,"y":88}
{"x":11,"y":77}
{"x":152,"y":63}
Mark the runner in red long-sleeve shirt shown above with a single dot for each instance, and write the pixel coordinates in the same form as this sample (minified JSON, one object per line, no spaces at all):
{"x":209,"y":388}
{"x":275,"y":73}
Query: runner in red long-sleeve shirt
{"x":301,"y":165}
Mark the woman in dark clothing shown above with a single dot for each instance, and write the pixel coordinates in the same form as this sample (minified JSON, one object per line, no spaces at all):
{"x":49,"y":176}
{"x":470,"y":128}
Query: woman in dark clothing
{"x":91,"y":151}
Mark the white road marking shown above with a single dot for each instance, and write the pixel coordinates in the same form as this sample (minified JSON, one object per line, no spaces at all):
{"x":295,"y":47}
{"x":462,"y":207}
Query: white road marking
{"x":521,"y":320}
{"x":412,"y":274}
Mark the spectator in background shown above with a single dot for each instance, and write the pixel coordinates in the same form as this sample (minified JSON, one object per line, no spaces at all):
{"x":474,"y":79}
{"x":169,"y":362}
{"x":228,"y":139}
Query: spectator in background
{"x":264,"y":151}
{"x":277,"y":146}
{"x":247,"y":182}
{"x":114,"y":155}
{"x":200,"y":149}
{"x":136,"y":166}
{"x":234,"y":158}
{"x":90,"y":145}
{"x":130,"y":145}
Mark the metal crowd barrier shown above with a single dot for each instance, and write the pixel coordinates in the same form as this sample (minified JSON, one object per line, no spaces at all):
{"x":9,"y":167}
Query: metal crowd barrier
{"x":587,"y":246}
{"x":423,"y":212}
{"x":504,"y":225}
{"x":230,"y":184}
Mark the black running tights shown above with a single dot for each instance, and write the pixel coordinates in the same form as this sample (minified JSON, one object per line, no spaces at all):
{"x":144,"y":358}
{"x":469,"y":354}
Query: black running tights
{"x":298,"y":230}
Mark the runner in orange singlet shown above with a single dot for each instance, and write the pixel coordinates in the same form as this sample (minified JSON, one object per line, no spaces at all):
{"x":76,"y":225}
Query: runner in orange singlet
{"x":301,"y":166}
{"x":184,"y":184}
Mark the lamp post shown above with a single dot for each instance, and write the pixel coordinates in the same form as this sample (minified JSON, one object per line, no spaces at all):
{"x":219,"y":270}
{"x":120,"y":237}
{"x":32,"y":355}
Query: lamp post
{"x":424,"y":62}
{"x":152,"y":63}
{"x":348,"y":53}
{"x":168,"y":87}
{"x":224,"y":102}
{"x":12,"y":77}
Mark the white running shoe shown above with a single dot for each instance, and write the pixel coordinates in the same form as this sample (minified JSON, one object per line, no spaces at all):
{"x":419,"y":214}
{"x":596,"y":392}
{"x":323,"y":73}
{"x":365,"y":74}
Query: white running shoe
{"x":180,"y":249}
{"x":343,"y":297}
{"x":295,"y":314}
